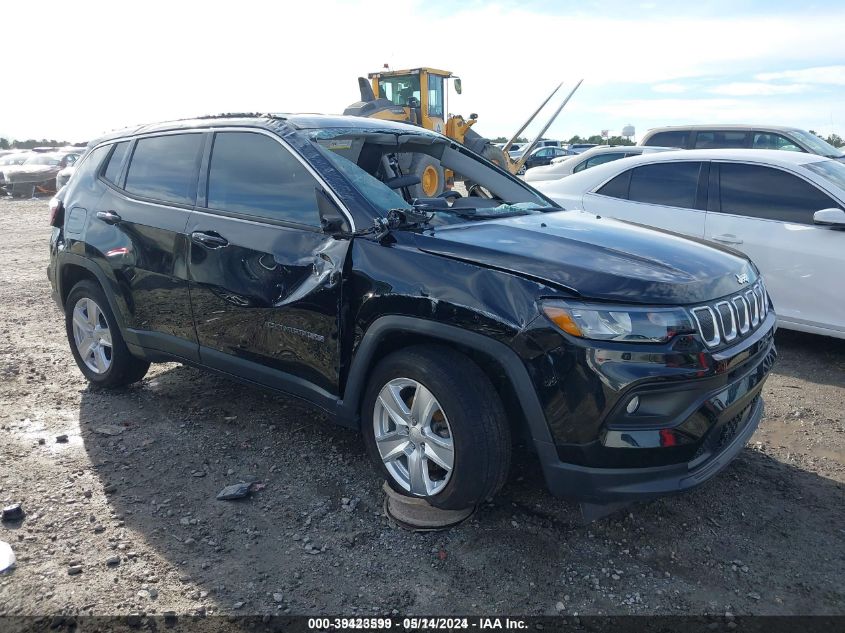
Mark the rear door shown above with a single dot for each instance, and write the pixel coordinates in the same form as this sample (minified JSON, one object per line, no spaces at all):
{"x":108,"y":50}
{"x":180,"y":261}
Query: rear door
{"x":151,"y":188}
{"x":670,"y":195}
{"x":265,"y":279}
{"x":767,"y":213}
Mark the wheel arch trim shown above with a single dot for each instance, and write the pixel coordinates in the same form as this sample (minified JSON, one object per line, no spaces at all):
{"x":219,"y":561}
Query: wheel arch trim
{"x":349,"y":407}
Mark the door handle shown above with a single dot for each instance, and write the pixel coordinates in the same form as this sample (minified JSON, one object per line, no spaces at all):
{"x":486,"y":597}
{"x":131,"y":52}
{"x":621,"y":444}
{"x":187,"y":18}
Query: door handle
{"x":109,"y":217}
{"x":209,"y":240}
{"x":727,"y":238}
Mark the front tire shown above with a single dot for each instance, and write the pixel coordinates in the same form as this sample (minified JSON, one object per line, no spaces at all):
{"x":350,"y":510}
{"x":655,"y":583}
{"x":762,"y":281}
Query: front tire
{"x":436,"y":427}
{"x":95,"y":339}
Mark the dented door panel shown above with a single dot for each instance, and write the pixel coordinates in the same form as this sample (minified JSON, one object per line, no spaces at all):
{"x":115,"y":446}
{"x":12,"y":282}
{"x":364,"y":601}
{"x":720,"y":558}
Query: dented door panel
{"x":269,"y":296}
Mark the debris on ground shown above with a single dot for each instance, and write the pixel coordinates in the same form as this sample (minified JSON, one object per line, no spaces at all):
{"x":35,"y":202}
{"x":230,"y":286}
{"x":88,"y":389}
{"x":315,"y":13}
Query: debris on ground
{"x":234,"y":491}
{"x":62,"y":439}
{"x":109,"y":429}
{"x":13,"y":512}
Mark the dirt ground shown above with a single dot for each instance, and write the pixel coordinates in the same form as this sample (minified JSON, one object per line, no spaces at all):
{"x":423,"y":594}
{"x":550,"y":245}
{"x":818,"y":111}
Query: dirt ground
{"x":122,"y":517}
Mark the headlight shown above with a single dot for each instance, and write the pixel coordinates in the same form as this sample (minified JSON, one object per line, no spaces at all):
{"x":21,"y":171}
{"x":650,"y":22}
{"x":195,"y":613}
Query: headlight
{"x":618,"y":323}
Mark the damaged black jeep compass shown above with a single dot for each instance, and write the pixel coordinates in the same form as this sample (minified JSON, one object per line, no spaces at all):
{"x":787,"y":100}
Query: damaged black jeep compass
{"x":288,"y":252}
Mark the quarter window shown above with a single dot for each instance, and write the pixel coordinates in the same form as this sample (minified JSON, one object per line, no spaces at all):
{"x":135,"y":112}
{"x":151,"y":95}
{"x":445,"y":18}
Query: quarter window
{"x":763,"y":192}
{"x":670,"y":184}
{"x":165,"y":168}
{"x":115,"y":162}
{"x":255,"y":175}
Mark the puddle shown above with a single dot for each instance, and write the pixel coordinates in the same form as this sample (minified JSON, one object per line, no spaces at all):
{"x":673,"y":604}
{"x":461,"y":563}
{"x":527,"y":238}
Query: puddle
{"x":64,"y":422}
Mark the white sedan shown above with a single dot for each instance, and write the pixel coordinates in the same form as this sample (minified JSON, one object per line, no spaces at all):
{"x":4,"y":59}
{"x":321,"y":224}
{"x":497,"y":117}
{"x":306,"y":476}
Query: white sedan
{"x":783,"y":209}
{"x":568,"y":165}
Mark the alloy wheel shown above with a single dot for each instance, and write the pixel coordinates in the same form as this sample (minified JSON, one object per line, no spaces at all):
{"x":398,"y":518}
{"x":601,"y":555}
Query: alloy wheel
{"x":413,"y":437}
{"x":92,"y":335}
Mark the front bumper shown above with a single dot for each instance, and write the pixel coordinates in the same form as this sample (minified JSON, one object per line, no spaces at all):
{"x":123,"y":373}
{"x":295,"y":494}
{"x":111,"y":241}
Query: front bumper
{"x":613,"y":485}
{"x":713,"y":416}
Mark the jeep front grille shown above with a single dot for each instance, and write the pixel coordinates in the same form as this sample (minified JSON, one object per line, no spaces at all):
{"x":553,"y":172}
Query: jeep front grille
{"x":732,"y":318}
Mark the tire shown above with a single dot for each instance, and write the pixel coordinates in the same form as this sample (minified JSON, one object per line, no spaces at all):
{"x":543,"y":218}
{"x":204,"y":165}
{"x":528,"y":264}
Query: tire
{"x":432,"y":177}
{"x":464,"y":402}
{"x":90,"y":324}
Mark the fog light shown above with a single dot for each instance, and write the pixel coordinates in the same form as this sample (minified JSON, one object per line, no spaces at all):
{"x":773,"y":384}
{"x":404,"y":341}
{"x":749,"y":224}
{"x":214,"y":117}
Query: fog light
{"x":633,"y":404}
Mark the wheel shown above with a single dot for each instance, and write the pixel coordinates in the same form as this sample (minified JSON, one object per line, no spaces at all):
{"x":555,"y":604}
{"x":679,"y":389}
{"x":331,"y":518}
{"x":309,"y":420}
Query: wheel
{"x":432,"y":176}
{"x":436,"y":428}
{"x":95,"y":339}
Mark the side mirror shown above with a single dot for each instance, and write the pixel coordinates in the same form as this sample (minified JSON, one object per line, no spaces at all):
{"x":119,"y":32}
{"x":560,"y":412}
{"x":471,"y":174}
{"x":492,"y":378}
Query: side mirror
{"x":473,"y":116}
{"x":332,"y":221}
{"x":458,"y":85}
{"x":830,"y":217}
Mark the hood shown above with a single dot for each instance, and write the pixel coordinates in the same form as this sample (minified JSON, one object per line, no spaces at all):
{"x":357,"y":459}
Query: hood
{"x":597,"y":258}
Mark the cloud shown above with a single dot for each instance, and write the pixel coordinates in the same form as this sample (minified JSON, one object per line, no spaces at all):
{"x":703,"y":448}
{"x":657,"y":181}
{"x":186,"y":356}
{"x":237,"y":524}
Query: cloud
{"x":757,"y":89}
{"x":834,"y":75}
{"x":672,"y":88}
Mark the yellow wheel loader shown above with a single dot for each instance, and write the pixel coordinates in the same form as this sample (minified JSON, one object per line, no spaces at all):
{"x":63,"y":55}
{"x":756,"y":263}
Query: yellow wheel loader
{"x":419,"y":96}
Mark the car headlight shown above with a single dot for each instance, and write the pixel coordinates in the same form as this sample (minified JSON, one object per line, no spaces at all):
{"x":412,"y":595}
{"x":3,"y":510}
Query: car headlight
{"x":618,"y":323}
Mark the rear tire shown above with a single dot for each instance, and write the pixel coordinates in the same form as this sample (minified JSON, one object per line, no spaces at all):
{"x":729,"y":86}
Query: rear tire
{"x":95,"y":339}
{"x":431,"y":174}
{"x":452,"y":446}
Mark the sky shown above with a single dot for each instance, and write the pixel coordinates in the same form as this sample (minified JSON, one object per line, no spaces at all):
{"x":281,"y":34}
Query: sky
{"x":74,"y":70}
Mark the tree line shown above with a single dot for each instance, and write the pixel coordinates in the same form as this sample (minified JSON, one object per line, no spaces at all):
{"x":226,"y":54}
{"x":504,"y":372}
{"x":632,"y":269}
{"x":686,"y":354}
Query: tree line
{"x":834,"y":139}
{"x":30,"y":143}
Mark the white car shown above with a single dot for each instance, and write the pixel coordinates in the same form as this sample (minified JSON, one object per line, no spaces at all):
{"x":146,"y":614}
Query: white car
{"x":567,"y":165}
{"x":783,"y":209}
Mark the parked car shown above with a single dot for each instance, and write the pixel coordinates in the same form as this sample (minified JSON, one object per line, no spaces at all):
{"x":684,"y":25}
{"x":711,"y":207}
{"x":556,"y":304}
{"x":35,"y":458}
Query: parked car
{"x":542,"y":156}
{"x":580,"y":148}
{"x":566,"y":165}
{"x":517,"y":153}
{"x":287,"y":253}
{"x":37,"y":173}
{"x":783,"y":209}
{"x":9,"y":162}
{"x":741,"y":137}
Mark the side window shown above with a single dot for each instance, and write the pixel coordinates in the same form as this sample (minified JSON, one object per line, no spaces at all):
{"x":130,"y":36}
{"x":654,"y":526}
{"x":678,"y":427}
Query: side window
{"x":165,"y":168}
{"x":770,"y":140}
{"x":544,"y":153}
{"x":435,"y":96}
{"x":669,"y":184}
{"x":762,"y":192}
{"x":618,"y":186}
{"x":677,"y":138}
{"x":116,"y":162}
{"x":602,"y":159}
{"x":255,"y":175}
{"x":721,"y":140}
{"x":580,"y":166}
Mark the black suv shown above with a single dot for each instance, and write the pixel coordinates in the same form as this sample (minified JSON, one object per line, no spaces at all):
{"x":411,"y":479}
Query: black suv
{"x":287,"y":252}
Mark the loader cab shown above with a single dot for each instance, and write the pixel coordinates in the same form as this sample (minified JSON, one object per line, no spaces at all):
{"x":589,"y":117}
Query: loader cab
{"x":421,"y":92}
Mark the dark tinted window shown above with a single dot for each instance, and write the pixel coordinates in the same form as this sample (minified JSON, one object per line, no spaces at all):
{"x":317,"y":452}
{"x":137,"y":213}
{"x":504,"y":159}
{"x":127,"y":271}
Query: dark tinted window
{"x":254,"y":174}
{"x":86,"y":171}
{"x":721,"y":140}
{"x":670,"y":184}
{"x":618,"y":186}
{"x":116,"y":160}
{"x":669,"y":139}
{"x":763,"y":192}
{"x":601,"y":159}
{"x":165,"y":168}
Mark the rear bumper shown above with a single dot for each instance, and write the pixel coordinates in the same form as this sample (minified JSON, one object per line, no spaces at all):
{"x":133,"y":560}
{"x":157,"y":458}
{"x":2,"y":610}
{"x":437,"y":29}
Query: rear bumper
{"x":613,"y":485}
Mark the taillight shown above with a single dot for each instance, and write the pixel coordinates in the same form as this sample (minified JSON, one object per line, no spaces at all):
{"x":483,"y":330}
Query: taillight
{"x":57,"y":212}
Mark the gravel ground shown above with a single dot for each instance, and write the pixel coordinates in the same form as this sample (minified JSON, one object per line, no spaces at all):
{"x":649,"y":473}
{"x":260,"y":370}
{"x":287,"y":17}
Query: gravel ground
{"x":122,"y":516}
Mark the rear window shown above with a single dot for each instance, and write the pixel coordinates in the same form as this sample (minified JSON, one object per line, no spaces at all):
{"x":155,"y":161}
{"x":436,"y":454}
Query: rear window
{"x":669,"y":184}
{"x":165,"y":168}
{"x":676,"y":138}
{"x":116,"y":162}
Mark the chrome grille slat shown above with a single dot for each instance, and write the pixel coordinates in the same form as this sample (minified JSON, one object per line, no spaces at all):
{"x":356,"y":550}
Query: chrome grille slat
{"x":732,"y":318}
